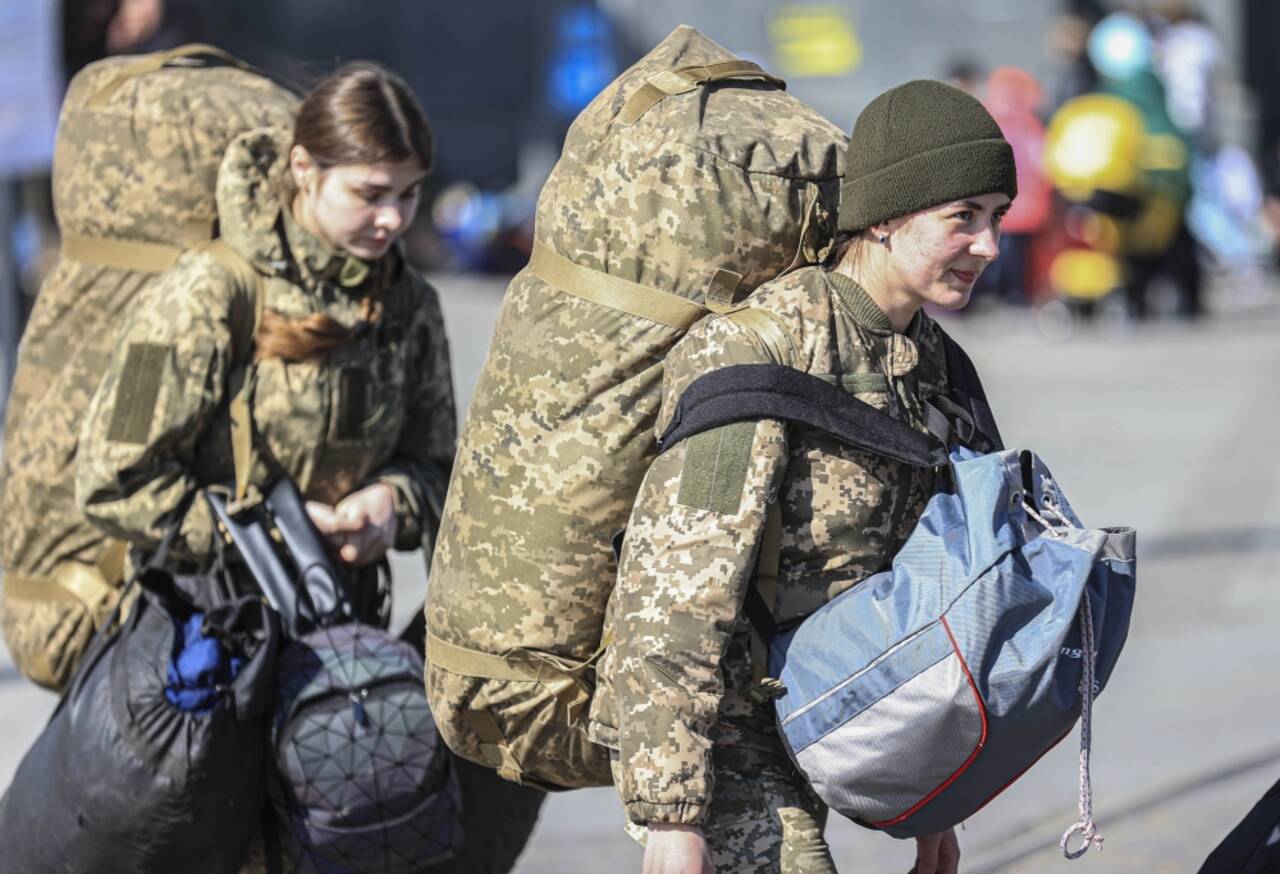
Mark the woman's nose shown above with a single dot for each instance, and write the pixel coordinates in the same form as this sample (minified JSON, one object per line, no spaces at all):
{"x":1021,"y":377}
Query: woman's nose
{"x":986,"y":244}
{"x":389,"y":219}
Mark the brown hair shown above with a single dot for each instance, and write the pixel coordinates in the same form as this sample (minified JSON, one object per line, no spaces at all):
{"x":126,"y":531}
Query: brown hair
{"x":844,"y":244}
{"x":360,"y":114}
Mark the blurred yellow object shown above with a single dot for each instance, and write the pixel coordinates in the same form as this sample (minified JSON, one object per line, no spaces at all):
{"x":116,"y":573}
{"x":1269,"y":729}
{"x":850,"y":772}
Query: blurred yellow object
{"x":1103,"y":233}
{"x":1163,"y":152}
{"x":1095,"y":142}
{"x":1152,"y":232}
{"x":1085,"y":274}
{"x":814,"y":40}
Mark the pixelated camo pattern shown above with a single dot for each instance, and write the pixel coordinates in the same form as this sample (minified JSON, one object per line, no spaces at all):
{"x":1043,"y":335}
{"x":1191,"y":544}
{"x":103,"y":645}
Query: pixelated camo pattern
{"x":140,"y":167}
{"x":737,"y":175}
{"x":674,"y":688}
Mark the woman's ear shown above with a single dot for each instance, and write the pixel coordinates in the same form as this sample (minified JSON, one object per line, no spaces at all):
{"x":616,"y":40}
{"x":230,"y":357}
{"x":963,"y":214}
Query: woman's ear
{"x":302,"y":167}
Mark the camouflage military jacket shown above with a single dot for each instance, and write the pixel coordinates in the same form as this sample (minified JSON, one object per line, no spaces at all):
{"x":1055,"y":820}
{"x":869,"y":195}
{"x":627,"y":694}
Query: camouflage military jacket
{"x":668,"y":694}
{"x":379,"y":408}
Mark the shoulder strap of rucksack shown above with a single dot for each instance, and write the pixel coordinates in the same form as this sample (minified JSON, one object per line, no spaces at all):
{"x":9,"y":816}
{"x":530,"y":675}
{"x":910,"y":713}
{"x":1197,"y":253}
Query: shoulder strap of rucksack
{"x":248,"y":298}
{"x":746,"y":392}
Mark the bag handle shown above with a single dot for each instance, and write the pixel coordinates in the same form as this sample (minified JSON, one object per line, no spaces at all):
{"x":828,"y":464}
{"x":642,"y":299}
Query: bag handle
{"x":159,"y":60}
{"x":682,"y":80}
{"x":308,"y":593}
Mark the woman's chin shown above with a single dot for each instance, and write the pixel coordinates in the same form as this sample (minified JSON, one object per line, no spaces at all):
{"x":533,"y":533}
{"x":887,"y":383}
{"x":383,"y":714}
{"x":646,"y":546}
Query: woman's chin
{"x":368,"y":250}
{"x":951,"y":298}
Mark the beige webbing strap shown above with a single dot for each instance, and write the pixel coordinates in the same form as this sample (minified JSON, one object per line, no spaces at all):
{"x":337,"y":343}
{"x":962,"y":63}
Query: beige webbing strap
{"x":766,"y":583}
{"x":156,"y":61}
{"x":518,"y":665}
{"x":493,"y":744}
{"x":72,"y":581}
{"x":685,"y":79}
{"x":242,"y":435}
{"x":614,"y":292}
{"x":248,"y":284}
{"x":472,"y":663}
{"x":772,"y":332}
{"x":121,"y":254}
{"x":721,"y":288}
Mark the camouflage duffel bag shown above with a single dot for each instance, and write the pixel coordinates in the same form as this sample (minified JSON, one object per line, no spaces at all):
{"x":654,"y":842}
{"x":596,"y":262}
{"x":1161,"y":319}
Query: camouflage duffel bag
{"x":689,"y":181}
{"x":139,"y":143}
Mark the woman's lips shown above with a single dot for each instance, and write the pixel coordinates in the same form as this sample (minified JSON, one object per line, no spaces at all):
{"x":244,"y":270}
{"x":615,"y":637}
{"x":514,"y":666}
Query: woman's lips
{"x":965,"y":275}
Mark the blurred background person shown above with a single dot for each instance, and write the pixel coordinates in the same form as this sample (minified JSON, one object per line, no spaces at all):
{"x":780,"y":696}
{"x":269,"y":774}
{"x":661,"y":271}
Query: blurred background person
{"x":1014,"y":100}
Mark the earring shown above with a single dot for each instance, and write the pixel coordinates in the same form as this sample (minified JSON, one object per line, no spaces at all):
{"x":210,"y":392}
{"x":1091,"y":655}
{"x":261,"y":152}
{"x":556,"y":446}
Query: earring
{"x":882,"y":238}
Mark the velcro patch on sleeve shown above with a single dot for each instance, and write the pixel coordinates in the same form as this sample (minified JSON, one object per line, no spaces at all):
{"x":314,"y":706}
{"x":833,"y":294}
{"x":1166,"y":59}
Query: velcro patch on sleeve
{"x":136,"y":393}
{"x":715,"y":468}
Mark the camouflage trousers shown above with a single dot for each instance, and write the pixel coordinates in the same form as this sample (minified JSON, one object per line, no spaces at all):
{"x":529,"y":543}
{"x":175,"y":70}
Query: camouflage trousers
{"x":763,"y":819}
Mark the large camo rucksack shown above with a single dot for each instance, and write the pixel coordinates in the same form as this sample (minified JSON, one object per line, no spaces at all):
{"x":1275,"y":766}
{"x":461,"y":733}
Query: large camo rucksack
{"x":689,"y":181}
{"x":139,"y":144}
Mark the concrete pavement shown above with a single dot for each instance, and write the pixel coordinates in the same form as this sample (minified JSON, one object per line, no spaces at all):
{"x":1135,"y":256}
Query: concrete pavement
{"x":1171,"y":429}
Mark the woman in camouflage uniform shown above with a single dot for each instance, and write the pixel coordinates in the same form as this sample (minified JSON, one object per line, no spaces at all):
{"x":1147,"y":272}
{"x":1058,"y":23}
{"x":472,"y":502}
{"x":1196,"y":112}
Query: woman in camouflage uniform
{"x":352,"y":397}
{"x":697,"y":758}
{"x":352,"y":394}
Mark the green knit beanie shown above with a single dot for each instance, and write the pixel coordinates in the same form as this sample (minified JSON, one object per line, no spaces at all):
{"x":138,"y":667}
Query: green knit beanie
{"x":918,"y":145}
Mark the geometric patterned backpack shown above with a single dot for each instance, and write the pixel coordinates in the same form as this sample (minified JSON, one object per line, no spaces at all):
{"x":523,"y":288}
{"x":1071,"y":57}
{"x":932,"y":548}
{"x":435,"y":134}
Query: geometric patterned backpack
{"x":363,"y":782}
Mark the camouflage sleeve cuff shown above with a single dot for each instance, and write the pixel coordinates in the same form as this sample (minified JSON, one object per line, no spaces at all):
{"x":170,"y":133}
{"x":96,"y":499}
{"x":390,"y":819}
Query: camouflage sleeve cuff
{"x":676,"y":813}
{"x":408,"y":507}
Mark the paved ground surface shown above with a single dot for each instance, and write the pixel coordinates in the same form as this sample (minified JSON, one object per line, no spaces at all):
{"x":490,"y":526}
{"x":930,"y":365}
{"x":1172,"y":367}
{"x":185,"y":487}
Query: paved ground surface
{"x":1172,"y":429}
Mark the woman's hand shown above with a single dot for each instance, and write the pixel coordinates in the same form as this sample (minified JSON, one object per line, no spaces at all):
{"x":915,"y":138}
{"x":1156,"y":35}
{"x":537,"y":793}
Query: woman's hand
{"x":362,"y":527}
{"x":676,"y":849}
{"x":938,"y":853}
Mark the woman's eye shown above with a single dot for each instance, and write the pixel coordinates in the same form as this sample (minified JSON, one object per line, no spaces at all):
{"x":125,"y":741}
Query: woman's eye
{"x":411,"y":193}
{"x":963,"y":215}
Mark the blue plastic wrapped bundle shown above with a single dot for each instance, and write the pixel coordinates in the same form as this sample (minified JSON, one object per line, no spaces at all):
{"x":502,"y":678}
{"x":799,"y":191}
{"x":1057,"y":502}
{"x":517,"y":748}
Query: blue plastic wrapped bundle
{"x":201,"y":668}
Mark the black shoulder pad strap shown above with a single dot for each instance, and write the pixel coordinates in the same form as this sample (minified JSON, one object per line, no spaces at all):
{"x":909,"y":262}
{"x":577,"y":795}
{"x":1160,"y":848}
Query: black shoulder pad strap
{"x":966,"y":389}
{"x":745,"y":392}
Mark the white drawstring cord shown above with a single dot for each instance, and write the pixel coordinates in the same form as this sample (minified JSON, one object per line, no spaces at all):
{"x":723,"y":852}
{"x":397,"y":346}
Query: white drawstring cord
{"x":1086,"y":827}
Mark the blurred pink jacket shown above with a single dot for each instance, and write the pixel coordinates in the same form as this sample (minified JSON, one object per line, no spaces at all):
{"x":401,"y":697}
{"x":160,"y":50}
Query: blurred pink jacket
{"x":1013,"y":95}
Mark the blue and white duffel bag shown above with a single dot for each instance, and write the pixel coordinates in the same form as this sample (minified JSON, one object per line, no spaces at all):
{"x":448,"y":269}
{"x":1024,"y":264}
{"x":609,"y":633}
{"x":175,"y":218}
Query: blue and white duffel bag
{"x":918,"y":695}
{"x":913,"y":698}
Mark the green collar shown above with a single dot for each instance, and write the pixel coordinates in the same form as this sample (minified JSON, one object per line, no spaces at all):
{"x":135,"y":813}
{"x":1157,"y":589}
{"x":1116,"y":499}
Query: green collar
{"x":319,"y":259}
{"x":865,"y":310}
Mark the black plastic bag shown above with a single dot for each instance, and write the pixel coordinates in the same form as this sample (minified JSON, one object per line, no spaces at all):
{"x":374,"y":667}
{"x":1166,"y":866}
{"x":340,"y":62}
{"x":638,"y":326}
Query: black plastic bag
{"x":123,"y":781}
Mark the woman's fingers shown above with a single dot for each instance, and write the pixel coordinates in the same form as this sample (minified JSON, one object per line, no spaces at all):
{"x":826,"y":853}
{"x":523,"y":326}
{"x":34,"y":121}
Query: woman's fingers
{"x":323,"y":517}
{"x":927,"y":854}
{"x":949,"y":853}
{"x":938,"y":853}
